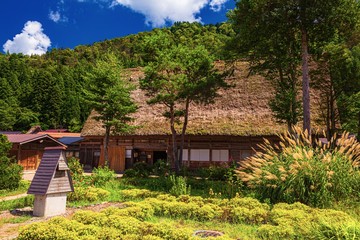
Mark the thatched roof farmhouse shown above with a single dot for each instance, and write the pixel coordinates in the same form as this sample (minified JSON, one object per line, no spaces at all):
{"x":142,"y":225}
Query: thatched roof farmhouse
{"x":233,"y":125}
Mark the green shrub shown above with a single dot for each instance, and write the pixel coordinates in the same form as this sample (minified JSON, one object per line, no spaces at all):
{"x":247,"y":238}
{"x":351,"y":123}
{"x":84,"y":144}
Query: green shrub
{"x":130,"y":173}
{"x":292,"y":221}
{"x":138,"y":212}
{"x":304,"y":170}
{"x":235,"y":210}
{"x":76,"y":170}
{"x":143,"y":169}
{"x":166,"y":231}
{"x":23,"y":187}
{"x":90,"y":218}
{"x":168,"y":197}
{"x":249,"y":216}
{"x":218,"y":173}
{"x":339,"y":230}
{"x":100,"y":176}
{"x":277,"y":232}
{"x":131,"y":194}
{"x":208,"y":212}
{"x":90,"y":194}
{"x":179,"y":186}
{"x":109,"y":224}
{"x":10,"y":171}
{"x":161,"y":168}
{"x":41,"y":231}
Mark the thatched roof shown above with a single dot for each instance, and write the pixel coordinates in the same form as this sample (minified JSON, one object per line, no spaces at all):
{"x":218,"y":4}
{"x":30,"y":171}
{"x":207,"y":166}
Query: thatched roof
{"x":242,"y":110}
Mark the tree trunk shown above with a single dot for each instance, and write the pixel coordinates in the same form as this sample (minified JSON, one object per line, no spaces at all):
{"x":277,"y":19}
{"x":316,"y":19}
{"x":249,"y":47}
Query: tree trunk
{"x":106,"y":146}
{"x":173,"y":136}
{"x":306,"y":81}
{"x":184,"y":131}
{"x":332,"y":111}
{"x":328,"y":127}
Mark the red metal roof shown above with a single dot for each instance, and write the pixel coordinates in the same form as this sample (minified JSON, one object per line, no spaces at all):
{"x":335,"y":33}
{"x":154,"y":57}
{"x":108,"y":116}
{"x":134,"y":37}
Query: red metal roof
{"x":60,"y":130}
{"x":60,"y":134}
{"x":25,"y":138}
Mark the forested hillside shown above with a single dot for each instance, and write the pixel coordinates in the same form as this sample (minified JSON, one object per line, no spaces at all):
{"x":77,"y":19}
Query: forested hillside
{"x":48,"y":89}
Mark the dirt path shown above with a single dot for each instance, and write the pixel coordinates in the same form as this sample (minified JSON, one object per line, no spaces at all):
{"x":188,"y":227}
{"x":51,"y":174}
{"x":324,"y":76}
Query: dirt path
{"x":11,"y":230}
{"x":13,"y":197}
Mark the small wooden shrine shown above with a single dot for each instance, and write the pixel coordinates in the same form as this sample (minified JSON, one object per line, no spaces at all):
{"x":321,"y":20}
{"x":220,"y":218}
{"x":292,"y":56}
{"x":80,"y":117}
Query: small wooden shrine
{"x":51,"y":183}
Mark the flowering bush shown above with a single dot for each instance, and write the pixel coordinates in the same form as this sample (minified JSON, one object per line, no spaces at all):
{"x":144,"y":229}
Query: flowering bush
{"x":90,"y":194}
{"x":76,"y":170}
{"x":100,"y":176}
{"x":303,"y":170}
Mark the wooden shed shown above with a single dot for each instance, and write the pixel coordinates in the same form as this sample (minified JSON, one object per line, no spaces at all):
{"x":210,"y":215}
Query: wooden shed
{"x":51,"y":183}
{"x":217,"y":134}
{"x":28,"y":149}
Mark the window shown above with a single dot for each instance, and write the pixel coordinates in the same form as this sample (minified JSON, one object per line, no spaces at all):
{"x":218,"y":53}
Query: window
{"x":185,"y":155}
{"x":220,"y":155}
{"x":59,"y":174}
{"x":245,"y":154}
{"x":128,"y":153}
{"x":200,"y":154}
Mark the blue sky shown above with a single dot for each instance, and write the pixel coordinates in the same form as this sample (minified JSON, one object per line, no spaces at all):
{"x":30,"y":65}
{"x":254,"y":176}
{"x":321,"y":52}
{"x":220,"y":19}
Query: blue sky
{"x":36,"y":26}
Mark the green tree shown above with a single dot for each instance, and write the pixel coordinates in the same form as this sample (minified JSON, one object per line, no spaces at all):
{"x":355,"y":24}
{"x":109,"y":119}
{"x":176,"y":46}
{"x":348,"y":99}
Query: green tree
{"x":264,"y":27}
{"x":7,"y":104}
{"x":344,"y":72}
{"x":285,"y":106}
{"x":10,"y":172}
{"x":109,"y":95}
{"x":177,"y":78}
{"x":48,"y":95}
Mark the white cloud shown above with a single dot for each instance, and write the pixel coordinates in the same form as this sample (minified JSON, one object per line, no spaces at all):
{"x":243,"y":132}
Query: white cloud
{"x":55,"y":16}
{"x":30,"y":41}
{"x":216,"y":5}
{"x":58,"y":15}
{"x":158,"y":12}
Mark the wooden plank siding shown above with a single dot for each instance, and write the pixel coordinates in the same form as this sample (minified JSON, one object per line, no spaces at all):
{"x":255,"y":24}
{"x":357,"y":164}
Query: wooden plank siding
{"x":144,"y":147}
{"x":59,"y":184}
{"x":30,"y":159}
{"x":29,"y":154}
{"x":116,"y":157}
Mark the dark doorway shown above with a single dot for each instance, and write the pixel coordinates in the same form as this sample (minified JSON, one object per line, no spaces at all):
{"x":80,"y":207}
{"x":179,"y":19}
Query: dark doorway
{"x":160,"y":155}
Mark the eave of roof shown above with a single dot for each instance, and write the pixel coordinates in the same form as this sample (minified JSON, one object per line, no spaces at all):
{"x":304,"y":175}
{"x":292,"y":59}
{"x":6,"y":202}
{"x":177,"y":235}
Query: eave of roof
{"x":26,"y":138}
{"x":70,"y":140}
{"x":59,"y":134}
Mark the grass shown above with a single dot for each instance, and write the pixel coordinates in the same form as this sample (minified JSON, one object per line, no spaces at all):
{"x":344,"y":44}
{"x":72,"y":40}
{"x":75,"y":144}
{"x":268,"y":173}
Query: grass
{"x":15,"y":219}
{"x":199,"y":187}
{"x":24,"y":185}
{"x":351,"y":207}
{"x":27,"y":201}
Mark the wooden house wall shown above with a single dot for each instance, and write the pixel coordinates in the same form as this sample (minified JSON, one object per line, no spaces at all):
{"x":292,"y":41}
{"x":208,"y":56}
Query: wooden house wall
{"x":90,"y":153}
{"x":29,"y":154}
{"x":116,"y":157}
{"x":60,"y":182}
{"x":144,"y":148}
